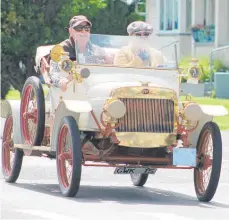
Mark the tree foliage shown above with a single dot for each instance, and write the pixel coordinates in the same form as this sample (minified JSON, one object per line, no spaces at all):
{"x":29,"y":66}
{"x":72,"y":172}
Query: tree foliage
{"x":27,"y":24}
{"x":114,"y":18}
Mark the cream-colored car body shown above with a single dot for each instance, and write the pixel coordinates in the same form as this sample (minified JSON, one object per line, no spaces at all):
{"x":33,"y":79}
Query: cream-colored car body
{"x":93,"y":92}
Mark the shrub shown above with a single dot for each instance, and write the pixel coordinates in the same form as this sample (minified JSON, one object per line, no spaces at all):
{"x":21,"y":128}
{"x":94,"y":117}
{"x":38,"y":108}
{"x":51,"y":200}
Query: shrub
{"x":204,"y":63}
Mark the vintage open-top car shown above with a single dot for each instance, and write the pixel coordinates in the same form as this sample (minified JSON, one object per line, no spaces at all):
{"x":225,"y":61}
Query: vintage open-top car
{"x":122,"y":116}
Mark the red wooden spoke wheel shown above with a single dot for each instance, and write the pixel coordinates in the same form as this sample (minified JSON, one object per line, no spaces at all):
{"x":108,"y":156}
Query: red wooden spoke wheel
{"x":207,"y":172}
{"x":11,"y":157}
{"x":65,"y":157}
{"x":68,"y":156}
{"x":32,"y":112}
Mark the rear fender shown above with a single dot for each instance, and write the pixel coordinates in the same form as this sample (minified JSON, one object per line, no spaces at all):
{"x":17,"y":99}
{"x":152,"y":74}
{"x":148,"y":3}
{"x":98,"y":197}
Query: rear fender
{"x":67,"y":108}
{"x":12,"y":107}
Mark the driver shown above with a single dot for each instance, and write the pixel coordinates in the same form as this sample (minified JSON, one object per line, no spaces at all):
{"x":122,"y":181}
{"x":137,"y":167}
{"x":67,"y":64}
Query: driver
{"x":138,"y":53}
{"x":79,"y":48}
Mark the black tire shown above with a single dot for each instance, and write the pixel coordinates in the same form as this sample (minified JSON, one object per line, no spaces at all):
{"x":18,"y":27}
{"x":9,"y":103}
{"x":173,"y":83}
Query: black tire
{"x":139,"y":179}
{"x":11,"y":175}
{"x":73,"y":186}
{"x":37,"y":89}
{"x":207,"y":194}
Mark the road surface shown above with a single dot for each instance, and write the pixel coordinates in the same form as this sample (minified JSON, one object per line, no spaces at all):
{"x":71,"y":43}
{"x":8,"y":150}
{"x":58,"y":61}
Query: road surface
{"x":167,"y":195}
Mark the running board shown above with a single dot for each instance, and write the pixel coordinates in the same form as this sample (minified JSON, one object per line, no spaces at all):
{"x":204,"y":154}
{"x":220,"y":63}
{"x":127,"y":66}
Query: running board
{"x":29,"y":147}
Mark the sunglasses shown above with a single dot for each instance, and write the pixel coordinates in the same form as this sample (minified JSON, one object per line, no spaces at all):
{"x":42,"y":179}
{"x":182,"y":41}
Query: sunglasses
{"x":81,"y":28}
{"x":142,"y":34}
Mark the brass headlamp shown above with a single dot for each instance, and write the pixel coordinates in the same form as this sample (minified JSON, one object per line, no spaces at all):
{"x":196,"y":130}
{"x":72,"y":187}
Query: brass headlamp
{"x":113,"y":110}
{"x":62,"y":58}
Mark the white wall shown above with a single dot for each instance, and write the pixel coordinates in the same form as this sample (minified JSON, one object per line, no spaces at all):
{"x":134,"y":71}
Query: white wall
{"x":210,"y":12}
{"x":185,"y":45}
{"x":182,"y":18}
{"x":221,"y":23}
{"x":217,"y":11}
{"x":151,"y":13}
{"x":197,"y":12}
{"x":201,"y":50}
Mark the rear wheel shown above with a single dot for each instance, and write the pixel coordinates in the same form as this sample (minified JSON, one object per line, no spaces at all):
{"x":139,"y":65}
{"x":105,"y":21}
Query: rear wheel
{"x":68,"y":156}
{"x":32,"y":112}
{"x":207,"y":172}
{"x":139,"y":179}
{"x":11,"y":157}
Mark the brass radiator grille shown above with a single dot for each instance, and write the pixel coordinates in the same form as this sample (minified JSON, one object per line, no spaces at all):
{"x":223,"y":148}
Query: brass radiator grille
{"x":147,"y":115}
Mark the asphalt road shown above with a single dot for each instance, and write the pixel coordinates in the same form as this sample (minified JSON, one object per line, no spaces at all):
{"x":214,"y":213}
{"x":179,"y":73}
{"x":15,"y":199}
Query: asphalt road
{"x":167,"y":195}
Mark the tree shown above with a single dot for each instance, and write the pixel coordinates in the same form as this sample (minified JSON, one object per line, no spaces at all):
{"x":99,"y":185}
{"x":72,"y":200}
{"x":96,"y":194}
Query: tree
{"x":114,"y":18}
{"x":27,"y":24}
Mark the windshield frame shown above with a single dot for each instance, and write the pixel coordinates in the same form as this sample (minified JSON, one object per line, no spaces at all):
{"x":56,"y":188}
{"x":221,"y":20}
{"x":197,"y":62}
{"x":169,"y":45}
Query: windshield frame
{"x":118,"y":42}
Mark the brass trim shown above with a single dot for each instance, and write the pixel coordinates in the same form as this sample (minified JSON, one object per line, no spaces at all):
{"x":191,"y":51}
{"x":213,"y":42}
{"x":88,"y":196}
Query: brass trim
{"x":128,"y":67}
{"x":176,"y":115}
{"x":154,"y":93}
{"x":136,"y":92}
{"x":146,"y":140}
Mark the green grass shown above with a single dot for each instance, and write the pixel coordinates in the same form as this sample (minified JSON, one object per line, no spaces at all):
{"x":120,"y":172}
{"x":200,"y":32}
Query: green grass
{"x":222,"y":121}
{"x":13,"y":95}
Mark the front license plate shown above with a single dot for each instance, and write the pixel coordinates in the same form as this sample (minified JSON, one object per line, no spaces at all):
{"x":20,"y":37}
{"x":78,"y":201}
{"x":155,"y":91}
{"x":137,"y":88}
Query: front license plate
{"x":184,"y":157}
{"x":133,"y":170}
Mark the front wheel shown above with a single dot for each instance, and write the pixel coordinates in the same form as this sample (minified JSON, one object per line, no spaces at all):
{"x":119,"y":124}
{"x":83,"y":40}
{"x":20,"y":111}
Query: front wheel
{"x":68,"y":156}
{"x":209,"y":152}
{"x":11,"y":157}
{"x":32,"y":112}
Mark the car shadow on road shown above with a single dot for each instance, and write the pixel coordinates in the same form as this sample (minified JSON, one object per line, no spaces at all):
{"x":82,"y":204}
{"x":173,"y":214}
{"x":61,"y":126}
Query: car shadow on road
{"x":123,"y":195}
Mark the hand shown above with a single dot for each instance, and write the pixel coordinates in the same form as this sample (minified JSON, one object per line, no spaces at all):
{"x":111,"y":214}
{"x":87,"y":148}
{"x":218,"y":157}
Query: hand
{"x":143,"y":55}
{"x":63,"y":84}
{"x":70,"y":77}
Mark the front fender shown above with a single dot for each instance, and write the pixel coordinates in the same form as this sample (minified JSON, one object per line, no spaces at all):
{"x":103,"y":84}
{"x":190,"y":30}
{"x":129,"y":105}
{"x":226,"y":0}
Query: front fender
{"x":67,"y":108}
{"x":214,"y":110}
{"x":208,"y":113}
{"x":12,"y":107}
{"x":77,"y":106}
{"x":194,"y":135}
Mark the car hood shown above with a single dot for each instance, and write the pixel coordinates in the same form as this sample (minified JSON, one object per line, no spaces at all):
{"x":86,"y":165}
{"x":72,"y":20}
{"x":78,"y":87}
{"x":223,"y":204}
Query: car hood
{"x":104,"y":89}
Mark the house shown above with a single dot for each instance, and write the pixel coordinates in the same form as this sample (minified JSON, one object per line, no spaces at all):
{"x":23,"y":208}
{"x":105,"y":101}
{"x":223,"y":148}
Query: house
{"x":199,"y":25}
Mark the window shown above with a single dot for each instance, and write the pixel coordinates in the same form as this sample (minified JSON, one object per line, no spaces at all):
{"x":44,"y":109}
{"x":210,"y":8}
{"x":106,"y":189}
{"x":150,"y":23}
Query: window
{"x":188,"y":14}
{"x":169,"y":15}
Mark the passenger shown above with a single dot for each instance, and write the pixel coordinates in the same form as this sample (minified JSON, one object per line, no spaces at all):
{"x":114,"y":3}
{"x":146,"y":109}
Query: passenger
{"x":138,"y":53}
{"x":79,"y":48}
